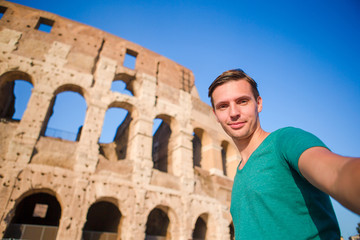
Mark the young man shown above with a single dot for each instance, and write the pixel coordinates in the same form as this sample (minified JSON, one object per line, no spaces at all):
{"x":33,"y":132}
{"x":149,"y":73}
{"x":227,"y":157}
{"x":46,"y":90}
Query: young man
{"x":284,"y":178}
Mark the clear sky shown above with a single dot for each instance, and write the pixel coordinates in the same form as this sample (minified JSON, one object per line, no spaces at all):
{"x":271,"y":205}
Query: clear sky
{"x":305,"y":55}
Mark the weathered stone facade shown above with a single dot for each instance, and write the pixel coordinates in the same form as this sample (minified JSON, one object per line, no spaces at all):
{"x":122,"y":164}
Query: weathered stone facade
{"x":119,"y":180}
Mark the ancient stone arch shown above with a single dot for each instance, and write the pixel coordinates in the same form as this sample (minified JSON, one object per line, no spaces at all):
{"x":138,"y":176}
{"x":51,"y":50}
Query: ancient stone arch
{"x":13,"y":75}
{"x":56,"y":54}
{"x":162,"y":222}
{"x":102,"y":220}
{"x":7,"y":98}
{"x":37,"y":216}
{"x":67,"y":88}
{"x":200,"y":227}
{"x":129,"y":82}
{"x":230,"y":158}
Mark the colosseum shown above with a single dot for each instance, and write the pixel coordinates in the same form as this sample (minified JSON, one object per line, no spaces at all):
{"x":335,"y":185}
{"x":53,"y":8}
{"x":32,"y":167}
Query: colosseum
{"x":172,"y":183}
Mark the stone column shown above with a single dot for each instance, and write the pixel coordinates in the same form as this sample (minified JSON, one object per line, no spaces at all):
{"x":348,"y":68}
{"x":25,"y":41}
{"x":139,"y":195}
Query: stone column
{"x":211,"y":158}
{"x":104,"y":73}
{"x":137,"y":227}
{"x":186,"y":228}
{"x":73,"y":212}
{"x":140,"y":150}
{"x":7,"y":210}
{"x":140,"y":137}
{"x":215,"y":223}
{"x":88,"y":149}
{"x":231,"y":163}
{"x":22,"y":145}
{"x":182,"y":164}
{"x":182,"y":153}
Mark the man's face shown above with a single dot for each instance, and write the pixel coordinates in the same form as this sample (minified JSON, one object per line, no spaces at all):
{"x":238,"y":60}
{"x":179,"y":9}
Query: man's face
{"x":236,"y":109}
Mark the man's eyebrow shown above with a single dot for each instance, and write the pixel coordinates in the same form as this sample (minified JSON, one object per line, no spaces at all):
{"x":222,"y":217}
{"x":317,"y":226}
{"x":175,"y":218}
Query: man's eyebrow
{"x":243,"y":97}
{"x":238,"y":98}
{"x":221,"y":103}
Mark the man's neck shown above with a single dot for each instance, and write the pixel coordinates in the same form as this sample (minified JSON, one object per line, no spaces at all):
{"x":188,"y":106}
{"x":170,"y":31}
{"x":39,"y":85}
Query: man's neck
{"x":247,"y":146}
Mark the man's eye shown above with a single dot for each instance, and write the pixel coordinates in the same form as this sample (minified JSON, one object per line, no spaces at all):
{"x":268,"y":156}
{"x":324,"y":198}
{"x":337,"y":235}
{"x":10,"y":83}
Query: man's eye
{"x":243,"y":101}
{"x":222,"y":106}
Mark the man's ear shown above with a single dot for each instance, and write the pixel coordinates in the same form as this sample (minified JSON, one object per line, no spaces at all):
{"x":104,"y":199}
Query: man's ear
{"x":259,"y":104}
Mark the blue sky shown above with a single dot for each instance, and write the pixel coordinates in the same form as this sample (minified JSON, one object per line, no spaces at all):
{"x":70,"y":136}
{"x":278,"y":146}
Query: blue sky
{"x":305,"y":55}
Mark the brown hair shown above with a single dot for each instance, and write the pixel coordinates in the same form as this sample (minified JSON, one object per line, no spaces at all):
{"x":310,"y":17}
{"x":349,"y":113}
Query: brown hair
{"x":233,"y":75}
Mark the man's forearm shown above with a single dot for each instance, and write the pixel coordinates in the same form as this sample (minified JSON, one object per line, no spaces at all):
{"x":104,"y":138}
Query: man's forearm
{"x":334,"y":174}
{"x":346,"y":189}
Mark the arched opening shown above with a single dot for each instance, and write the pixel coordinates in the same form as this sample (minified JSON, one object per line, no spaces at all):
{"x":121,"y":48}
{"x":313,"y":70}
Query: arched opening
{"x":22,"y":93}
{"x":197,"y":147}
{"x":121,"y":87}
{"x":2,"y":11}
{"x":15,"y":92}
{"x":232,"y":231}
{"x":102,"y":222}
{"x":229,"y":158}
{"x":160,"y":145}
{"x":66,"y":116}
{"x":200,"y":229}
{"x":36,"y":217}
{"x":224,"y":149}
{"x":115,"y":133}
{"x":124,"y":82}
{"x":157,"y":225}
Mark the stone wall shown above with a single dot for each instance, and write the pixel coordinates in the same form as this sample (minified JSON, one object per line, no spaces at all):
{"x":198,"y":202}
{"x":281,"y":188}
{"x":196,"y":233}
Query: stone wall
{"x":81,"y":173}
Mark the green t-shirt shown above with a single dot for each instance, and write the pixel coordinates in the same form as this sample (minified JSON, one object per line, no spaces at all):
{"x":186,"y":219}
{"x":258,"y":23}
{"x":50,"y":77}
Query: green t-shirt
{"x":272,"y":200}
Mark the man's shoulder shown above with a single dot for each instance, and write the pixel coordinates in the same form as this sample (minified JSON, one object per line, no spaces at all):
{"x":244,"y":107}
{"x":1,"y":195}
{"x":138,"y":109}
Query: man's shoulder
{"x":288,"y":130}
{"x":288,"y":134}
{"x":291,"y":136}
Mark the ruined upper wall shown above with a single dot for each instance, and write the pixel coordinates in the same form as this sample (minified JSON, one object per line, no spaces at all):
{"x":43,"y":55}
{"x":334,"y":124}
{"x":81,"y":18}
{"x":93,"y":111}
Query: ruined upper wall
{"x":79,"y":174}
{"x":82,"y":45}
{"x":79,"y":58}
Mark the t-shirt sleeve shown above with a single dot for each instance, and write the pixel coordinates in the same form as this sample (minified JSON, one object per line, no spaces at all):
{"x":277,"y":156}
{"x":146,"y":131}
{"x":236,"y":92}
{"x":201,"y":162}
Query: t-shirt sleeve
{"x":293,"y":142}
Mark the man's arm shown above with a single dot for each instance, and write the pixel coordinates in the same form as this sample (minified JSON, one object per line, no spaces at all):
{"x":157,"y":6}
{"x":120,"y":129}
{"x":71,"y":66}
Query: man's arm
{"x":335,"y":175}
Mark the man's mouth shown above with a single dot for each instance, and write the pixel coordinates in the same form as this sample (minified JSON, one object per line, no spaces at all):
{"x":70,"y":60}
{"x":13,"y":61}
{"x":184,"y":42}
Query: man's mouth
{"x":236,"y":125}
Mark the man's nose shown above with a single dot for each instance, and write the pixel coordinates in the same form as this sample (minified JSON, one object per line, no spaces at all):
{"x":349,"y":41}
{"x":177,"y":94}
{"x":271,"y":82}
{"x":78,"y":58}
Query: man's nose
{"x":234,"y":111}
